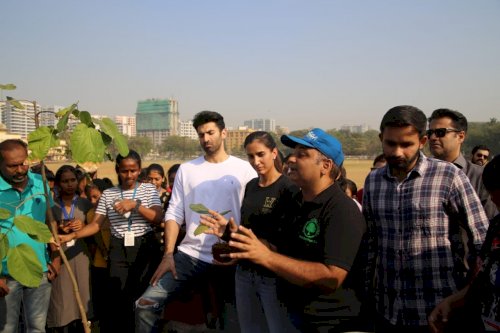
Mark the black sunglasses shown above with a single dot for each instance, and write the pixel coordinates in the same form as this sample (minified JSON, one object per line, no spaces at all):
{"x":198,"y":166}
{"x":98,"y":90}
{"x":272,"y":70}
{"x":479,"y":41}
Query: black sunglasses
{"x":440,"y":132}
{"x":479,"y":155}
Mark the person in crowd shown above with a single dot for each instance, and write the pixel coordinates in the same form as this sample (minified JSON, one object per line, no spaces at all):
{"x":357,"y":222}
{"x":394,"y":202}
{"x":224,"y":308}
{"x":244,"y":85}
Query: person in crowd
{"x":156,"y":176}
{"x":480,"y":155}
{"x":267,"y":199}
{"x":318,"y":241}
{"x":19,"y":185}
{"x":99,"y":252}
{"x":48,"y":174}
{"x":83,"y":179}
{"x":447,"y":132}
{"x":70,"y":212}
{"x":378,"y":162}
{"x":143,"y":176}
{"x":414,"y":207}
{"x":481,"y":297}
{"x":350,"y":189}
{"x":133,"y":208}
{"x":172,"y":171}
{"x":216,"y":180}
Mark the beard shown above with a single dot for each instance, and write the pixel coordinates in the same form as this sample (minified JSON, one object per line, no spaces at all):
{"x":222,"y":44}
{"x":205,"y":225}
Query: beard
{"x":398,"y":163}
{"x":18,"y":178}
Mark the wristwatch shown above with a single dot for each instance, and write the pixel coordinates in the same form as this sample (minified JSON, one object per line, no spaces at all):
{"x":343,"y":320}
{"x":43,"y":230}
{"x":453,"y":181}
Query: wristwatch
{"x":137,"y":204}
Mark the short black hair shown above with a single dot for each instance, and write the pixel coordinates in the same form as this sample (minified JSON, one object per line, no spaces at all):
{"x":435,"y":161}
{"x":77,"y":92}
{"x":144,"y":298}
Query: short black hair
{"x":405,"y":115}
{"x":10,"y":144}
{"x":204,"y":117}
{"x":491,"y":174}
{"x":458,"y":119}
{"x":479,"y":147}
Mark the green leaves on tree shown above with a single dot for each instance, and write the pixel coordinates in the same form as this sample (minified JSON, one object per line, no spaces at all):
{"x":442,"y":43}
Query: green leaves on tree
{"x":15,"y":103}
{"x":201,"y":209}
{"x":24,"y":266}
{"x":87,"y":144}
{"x":64,"y":117}
{"x":4,"y":248}
{"x":8,"y":86}
{"x":41,"y":140}
{"x":4,"y":214}
{"x":109,"y":127}
{"x":37,"y":230}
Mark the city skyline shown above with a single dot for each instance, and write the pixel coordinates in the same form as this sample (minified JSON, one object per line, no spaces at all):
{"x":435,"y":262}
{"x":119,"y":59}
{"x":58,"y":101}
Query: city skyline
{"x":316,"y":64}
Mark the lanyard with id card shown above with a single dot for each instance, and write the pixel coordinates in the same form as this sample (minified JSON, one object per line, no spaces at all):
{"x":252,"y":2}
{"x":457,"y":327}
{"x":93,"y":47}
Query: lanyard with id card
{"x":128,"y":237}
{"x":70,"y":216}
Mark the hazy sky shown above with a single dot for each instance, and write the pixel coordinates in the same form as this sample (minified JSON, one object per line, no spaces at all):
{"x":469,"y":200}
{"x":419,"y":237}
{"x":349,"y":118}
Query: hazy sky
{"x":304,"y":63}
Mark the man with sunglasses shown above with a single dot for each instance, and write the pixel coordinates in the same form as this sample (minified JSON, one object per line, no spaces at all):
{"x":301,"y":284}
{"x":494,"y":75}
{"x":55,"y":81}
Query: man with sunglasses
{"x":447,"y":132}
{"x":480,"y":155}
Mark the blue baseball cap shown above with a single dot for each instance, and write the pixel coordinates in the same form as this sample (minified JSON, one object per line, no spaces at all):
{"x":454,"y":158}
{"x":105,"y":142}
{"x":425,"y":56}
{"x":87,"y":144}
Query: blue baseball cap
{"x":320,"y":140}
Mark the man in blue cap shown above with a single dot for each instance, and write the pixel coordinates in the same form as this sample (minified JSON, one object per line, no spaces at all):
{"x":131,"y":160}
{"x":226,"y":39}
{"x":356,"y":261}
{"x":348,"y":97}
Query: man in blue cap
{"x":320,"y":238}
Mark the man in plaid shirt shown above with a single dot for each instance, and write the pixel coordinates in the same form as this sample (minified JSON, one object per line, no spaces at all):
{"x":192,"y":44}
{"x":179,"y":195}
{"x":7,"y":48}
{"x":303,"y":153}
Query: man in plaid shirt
{"x":414,"y":207}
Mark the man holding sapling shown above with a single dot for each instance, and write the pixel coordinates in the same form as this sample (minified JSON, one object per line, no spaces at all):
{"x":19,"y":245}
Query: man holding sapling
{"x":22,"y":193}
{"x":320,"y":238}
{"x":216,"y":181}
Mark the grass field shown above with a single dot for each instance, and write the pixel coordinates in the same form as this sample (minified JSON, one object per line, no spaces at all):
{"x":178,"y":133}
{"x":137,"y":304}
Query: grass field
{"x":357,"y":170}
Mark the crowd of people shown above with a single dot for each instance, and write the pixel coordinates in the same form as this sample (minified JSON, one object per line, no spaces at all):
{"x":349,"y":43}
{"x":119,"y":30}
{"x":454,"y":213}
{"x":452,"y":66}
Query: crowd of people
{"x":291,"y":243}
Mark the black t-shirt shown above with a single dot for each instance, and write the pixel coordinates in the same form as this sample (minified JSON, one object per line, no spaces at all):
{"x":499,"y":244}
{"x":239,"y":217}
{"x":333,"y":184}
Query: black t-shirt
{"x":263,"y":210}
{"x":328,"y":230}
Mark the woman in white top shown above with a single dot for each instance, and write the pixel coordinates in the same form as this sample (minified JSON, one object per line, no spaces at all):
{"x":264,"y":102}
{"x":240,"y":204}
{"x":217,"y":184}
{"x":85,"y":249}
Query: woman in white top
{"x":133,"y":208}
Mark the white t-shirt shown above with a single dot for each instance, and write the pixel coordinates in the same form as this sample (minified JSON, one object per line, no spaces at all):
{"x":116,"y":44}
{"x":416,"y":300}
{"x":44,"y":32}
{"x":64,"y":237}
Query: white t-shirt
{"x":218,"y":186}
{"x":148,"y":195}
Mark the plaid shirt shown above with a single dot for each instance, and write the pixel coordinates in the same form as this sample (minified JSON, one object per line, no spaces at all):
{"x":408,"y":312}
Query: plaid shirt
{"x":415,"y":252}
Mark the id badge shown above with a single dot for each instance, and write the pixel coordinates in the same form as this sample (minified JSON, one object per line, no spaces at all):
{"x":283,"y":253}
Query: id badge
{"x":70,"y":243}
{"x":129,"y":238}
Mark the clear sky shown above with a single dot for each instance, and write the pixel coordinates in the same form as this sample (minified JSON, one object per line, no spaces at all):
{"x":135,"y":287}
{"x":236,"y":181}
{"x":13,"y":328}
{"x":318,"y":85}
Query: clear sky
{"x":304,"y":63}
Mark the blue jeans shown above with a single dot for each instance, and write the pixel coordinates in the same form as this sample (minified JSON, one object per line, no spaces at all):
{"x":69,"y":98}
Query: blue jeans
{"x":35,"y":305}
{"x":189,"y":272}
{"x":257,"y":304}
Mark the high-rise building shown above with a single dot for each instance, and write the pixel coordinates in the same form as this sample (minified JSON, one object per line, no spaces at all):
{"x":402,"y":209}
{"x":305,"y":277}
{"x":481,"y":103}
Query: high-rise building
{"x":355,"y":128}
{"x":235,"y":139}
{"x":19,"y":121}
{"x":187,"y":130}
{"x":268,"y":125}
{"x":126,"y":125}
{"x":48,"y":115}
{"x":157,"y":119}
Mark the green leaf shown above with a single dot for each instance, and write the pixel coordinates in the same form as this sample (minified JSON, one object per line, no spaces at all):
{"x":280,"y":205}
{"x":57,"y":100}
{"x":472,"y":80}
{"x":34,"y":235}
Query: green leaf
{"x":4,"y":214}
{"x":201,"y":228}
{"x":199,"y":208}
{"x":15,"y":103}
{"x":41,"y":140}
{"x":108,"y":126}
{"x":8,"y":86}
{"x":24,"y":266}
{"x":64,"y":115}
{"x":86,"y":144}
{"x":4,"y":248}
{"x":86,"y":118}
{"x":37,"y":230}
{"x":225,"y":212}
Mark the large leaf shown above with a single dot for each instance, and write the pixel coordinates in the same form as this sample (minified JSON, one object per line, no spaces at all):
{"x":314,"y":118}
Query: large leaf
{"x":109,"y":127}
{"x":24,"y":266}
{"x":4,"y":248}
{"x":86,"y":144}
{"x":8,"y":86}
{"x":39,"y":231}
{"x":15,"y":103}
{"x":64,"y":115}
{"x":4,"y":214}
{"x":41,"y":140}
{"x":85,"y":118}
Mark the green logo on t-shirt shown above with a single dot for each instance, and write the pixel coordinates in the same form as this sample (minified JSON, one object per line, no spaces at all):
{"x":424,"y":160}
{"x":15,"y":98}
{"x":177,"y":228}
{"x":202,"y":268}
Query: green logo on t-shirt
{"x":310,"y":231}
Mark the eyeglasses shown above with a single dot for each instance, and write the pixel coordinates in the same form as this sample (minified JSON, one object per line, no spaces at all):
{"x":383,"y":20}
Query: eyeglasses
{"x":440,"y":132}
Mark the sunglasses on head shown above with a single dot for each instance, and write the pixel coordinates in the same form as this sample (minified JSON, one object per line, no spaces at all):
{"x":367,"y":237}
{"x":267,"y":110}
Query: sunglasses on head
{"x":440,"y":132}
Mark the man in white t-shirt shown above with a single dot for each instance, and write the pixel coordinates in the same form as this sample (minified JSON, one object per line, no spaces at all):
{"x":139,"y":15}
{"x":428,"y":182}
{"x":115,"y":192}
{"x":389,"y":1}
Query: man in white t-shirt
{"x":216,"y":180}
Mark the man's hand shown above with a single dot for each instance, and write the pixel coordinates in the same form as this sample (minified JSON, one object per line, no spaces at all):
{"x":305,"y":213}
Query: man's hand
{"x":249,"y":246}
{"x":217,"y":223}
{"x":167,"y":264}
{"x":439,"y":316}
{"x":54,"y":269}
{"x":4,"y":290}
